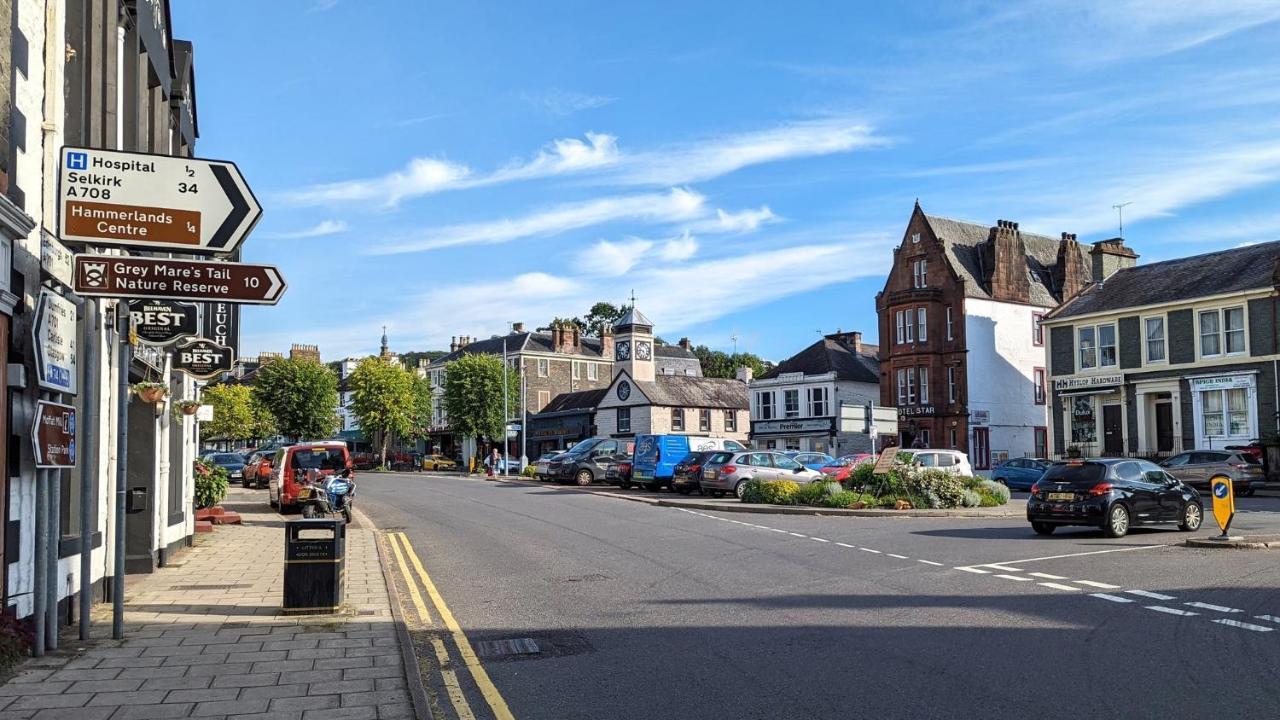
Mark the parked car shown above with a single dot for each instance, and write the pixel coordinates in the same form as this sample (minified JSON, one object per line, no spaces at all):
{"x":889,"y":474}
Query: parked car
{"x":656,"y":455}
{"x":733,"y":474}
{"x":841,"y":468}
{"x":1020,"y":473}
{"x":233,"y":463}
{"x":436,"y":461}
{"x":257,"y":469}
{"x":587,"y":461}
{"x":541,"y":466}
{"x":687,"y":475}
{"x":1197,"y":467}
{"x":618,"y":470}
{"x":811,"y":460}
{"x":1114,"y":494}
{"x":292,"y":464}
{"x":953,"y":461}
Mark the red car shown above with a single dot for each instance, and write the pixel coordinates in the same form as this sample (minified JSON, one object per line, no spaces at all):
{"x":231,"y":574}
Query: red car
{"x":291,"y":465}
{"x":842,"y":467}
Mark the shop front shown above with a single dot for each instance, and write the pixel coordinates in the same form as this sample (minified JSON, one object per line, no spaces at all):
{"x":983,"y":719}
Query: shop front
{"x":1093,"y":415}
{"x":1224,"y":409}
{"x":554,"y":431}
{"x":810,"y":435}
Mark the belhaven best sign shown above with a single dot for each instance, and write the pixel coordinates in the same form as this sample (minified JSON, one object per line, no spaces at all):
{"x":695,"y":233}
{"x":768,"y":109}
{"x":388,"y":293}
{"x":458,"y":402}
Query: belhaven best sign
{"x":160,"y":322}
{"x":153,"y":202}
{"x":156,"y":278}
{"x":53,"y":435}
{"x":201,"y":358}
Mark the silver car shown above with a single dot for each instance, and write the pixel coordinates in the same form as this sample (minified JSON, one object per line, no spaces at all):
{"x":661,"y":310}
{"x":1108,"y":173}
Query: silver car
{"x":730,"y":474}
{"x":1197,"y":467}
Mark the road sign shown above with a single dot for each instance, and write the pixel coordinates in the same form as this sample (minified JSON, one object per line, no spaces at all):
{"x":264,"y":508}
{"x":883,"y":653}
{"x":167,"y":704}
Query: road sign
{"x":1224,"y":501}
{"x":53,"y":435}
{"x":153,"y":202}
{"x":156,"y":278}
{"x":202,"y":358}
{"x":885,"y":463}
{"x":160,"y":322}
{"x":54,"y":333}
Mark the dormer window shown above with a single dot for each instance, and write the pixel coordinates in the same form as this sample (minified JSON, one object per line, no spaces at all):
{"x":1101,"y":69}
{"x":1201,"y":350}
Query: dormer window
{"x":915,"y":238}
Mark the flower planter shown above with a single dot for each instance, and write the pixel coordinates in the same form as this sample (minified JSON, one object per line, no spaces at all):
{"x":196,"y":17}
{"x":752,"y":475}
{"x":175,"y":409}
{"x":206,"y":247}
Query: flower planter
{"x":190,"y":409}
{"x":151,"y":395}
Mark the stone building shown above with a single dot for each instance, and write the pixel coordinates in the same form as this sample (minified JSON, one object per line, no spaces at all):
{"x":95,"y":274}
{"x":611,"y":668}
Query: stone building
{"x":962,"y":349}
{"x":1171,"y":356}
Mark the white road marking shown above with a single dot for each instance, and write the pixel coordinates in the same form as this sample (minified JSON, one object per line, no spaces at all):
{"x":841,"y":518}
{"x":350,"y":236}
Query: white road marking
{"x":819,"y":539}
{"x":1005,"y":568}
{"x":869,"y":550}
{"x":1047,"y":576}
{"x":1215,"y":608}
{"x":1244,"y":625}
{"x":930,"y":562}
{"x":777,"y":530}
{"x":900,"y":557}
{"x":1081,"y":554}
{"x":1153,"y":596}
{"x":1171,"y":611}
{"x":1019,"y":578}
{"x":1268,"y":618}
{"x":797,"y":534}
{"x":1060,"y":586}
{"x":1112,"y":598}
{"x":845,"y":545}
{"x":974,"y":570}
{"x":1091,"y":583}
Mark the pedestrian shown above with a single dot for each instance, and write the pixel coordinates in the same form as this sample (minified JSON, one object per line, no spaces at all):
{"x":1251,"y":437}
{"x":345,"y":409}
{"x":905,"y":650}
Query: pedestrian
{"x":918,"y":443}
{"x":491,"y":462}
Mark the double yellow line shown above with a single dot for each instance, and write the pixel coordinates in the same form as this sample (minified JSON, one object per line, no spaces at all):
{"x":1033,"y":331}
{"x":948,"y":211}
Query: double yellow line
{"x":401,"y":548}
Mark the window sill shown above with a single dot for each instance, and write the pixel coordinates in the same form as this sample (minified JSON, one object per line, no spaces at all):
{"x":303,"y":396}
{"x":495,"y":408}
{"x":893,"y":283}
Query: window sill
{"x":70,"y":544}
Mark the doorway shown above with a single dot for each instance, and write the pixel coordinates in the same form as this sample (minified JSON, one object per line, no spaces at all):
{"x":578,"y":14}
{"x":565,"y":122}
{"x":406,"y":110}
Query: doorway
{"x":1112,"y":432}
{"x":1164,"y":427}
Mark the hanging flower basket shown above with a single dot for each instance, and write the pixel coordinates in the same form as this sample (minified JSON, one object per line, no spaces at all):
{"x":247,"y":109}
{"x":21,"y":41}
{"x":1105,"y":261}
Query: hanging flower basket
{"x":150,"y":392}
{"x":189,"y":407}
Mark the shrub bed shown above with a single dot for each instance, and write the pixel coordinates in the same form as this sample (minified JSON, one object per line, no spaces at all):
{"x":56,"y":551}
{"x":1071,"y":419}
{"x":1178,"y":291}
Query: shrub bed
{"x":926,"y":488}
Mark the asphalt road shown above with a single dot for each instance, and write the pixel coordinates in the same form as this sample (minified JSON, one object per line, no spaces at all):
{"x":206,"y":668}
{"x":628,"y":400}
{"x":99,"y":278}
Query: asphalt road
{"x":652,"y":612}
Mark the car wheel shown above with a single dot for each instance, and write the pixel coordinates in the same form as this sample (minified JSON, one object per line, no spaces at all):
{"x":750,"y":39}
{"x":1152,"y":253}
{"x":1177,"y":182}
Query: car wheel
{"x":1192,"y":516}
{"x":624,"y":484}
{"x":584,"y":478}
{"x":1117,"y":524}
{"x":740,"y":489}
{"x":1043,"y":528}
{"x":717,"y":493}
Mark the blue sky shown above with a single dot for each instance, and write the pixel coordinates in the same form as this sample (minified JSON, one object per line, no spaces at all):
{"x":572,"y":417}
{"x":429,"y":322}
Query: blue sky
{"x":745,"y":167}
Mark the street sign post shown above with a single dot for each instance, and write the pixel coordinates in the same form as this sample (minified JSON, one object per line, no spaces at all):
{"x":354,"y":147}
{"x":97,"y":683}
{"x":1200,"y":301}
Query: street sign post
{"x":160,"y":322}
{"x":1224,"y":502}
{"x":54,"y":334}
{"x":156,"y":278}
{"x":153,"y":202}
{"x":53,"y":435}
{"x":202,"y":358}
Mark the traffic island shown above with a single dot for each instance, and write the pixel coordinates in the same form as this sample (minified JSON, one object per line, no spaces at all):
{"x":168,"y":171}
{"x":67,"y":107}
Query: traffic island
{"x":1237,"y":542}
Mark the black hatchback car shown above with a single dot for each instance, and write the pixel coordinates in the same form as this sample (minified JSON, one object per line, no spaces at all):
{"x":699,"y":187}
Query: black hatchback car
{"x":687,"y":474}
{"x":1114,"y":494}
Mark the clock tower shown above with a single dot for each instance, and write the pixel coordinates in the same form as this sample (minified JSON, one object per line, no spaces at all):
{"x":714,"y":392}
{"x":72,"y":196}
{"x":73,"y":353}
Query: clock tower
{"x":633,"y":346}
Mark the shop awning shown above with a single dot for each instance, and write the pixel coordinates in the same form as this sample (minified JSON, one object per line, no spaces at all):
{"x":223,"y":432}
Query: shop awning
{"x":1096,"y":391}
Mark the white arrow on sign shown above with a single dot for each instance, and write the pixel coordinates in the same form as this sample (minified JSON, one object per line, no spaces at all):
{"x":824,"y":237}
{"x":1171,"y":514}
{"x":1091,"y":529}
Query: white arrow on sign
{"x":150,"y":202}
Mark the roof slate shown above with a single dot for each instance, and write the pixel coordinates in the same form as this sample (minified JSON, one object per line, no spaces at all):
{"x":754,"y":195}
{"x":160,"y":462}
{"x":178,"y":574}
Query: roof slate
{"x":1252,"y":267}
{"x":827,"y":355}
{"x":695,"y":392}
{"x":580,"y":400}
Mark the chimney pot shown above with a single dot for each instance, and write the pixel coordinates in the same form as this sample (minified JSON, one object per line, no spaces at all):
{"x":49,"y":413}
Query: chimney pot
{"x":517,"y":327}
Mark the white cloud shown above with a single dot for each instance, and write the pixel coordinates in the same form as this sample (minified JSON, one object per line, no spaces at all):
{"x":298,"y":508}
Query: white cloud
{"x":673,"y":206}
{"x":320,"y":229}
{"x":739,"y":222}
{"x":562,"y":156}
{"x":420,"y":177}
{"x":679,"y":248}
{"x":613,"y":258}
{"x":565,"y":102}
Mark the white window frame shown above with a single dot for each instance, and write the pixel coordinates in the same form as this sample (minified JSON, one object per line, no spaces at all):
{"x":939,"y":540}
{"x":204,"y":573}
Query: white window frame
{"x":1037,"y":329}
{"x":951,"y":385}
{"x":1221,"y":313}
{"x":817,"y":402}
{"x":1040,"y":385}
{"x":1097,"y":347}
{"x":924,"y":385}
{"x":624,"y":413}
{"x":577,"y":370}
{"x":1164,"y":341}
{"x":910,"y":316}
{"x":902,"y":387}
{"x":593,"y":371}
{"x":911,"y":386}
{"x":950,"y":325}
{"x":765,"y":405}
{"x":919,"y":274}
{"x":922,"y":321}
{"x":677,"y":419}
{"x":544,"y":367}
{"x":787,"y":412}
{"x":704,"y":415}
{"x":915,"y":238}
{"x":731,"y":421}
{"x":901,"y":322}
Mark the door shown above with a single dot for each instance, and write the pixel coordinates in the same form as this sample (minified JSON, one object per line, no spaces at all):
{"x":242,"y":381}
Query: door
{"x":785,"y":468}
{"x":1112,"y":433}
{"x":1167,"y":495}
{"x":1143,"y":495}
{"x":980,"y":453}
{"x":1164,"y":427}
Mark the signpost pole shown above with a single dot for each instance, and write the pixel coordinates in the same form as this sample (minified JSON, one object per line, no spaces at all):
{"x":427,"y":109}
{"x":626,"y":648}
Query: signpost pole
{"x":122,"y":469}
{"x":89,"y":476}
{"x":38,"y":594}
{"x":53,"y":479}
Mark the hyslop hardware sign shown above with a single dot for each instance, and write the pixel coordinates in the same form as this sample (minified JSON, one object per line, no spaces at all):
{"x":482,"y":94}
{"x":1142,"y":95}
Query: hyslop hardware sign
{"x":53,"y":435}
{"x":153,"y":202}
{"x":159,"y":322}
{"x":203,"y":358}
{"x":55,"y":342}
{"x":155,"y":278}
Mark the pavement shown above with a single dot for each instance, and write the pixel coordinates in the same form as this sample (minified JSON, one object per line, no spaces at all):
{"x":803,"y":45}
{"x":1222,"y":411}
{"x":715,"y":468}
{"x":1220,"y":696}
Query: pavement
{"x":575,"y":605}
{"x":204,"y":637}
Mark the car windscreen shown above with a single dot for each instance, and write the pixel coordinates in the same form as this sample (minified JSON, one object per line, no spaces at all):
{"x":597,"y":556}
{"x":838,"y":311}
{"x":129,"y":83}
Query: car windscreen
{"x":1087,"y":474}
{"x":718,"y":458}
{"x":227,"y":459}
{"x":318,"y":458}
{"x":585,"y":445}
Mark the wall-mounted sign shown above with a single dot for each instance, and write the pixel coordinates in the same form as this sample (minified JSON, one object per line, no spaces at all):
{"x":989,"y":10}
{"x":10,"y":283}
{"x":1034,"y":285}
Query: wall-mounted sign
{"x":1225,"y":382}
{"x":910,"y":411}
{"x":55,"y":258}
{"x":160,"y":322}
{"x":781,"y":426}
{"x":202,"y":358}
{"x":980,"y":417}
{"x":55,"y":342}
{"x":204,"y":413}
{"x":221,"y":324}
{"x":1086,"y":382}
{"x":53,"y":435}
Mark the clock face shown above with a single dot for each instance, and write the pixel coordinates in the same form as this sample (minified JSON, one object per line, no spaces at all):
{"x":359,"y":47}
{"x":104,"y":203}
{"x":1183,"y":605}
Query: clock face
{"x":623,"y":350}
{"x":644,"y":350}
{"x":624,"y":390}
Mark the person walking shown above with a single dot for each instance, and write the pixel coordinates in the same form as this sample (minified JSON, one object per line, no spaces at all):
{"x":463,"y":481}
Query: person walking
{"x":491,"y":462}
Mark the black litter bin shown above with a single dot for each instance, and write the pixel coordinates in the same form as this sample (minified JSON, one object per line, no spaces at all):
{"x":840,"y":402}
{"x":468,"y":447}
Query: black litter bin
{"x":314,"y":564}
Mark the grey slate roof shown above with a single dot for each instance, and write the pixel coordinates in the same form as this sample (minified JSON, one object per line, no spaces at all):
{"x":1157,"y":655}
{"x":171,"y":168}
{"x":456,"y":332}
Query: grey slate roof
{"x":963,"y":242}
{"x":633,"y":317}
{"x":1248,"y":268}
{"x":520,"y":342}
{"x":827,"y":355}
{"x":695,"y":392}
{"x":580,"y":400}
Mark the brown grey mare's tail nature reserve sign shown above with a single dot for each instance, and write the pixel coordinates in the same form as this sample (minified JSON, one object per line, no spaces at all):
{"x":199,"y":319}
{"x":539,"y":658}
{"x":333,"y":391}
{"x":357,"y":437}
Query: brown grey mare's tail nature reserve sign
{"x":156,"y":278}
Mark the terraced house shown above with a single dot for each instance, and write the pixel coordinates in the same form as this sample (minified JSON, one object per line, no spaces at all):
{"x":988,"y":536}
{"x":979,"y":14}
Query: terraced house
{"x":1171,"y":356}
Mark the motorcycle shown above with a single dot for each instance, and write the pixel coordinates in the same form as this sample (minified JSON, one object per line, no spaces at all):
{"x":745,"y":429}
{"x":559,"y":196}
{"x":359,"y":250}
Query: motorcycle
{"x":322,"y":496}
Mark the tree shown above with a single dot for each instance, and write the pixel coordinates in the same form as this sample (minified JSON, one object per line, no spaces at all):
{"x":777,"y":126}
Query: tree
{"x":422,"y":401}
{"x":723,"y":365}
{"x":233,"y":416}
{"x":301,"y":394}
{"x":473,"y":396}
{"x":601,"y":316}
{"x":382,"y":400}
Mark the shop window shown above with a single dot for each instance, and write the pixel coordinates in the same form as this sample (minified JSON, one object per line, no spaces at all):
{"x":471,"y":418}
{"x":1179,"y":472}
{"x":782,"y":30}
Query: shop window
{"x":1153,"y":333}
{"x":624,"y":420}
{"x":731,"y":421}
{"x":704,"y":420}
{"x":677,"y":419}
{"x":791,"y":403}
{"x":1084,"y":426}
{"x":1225,"y":412}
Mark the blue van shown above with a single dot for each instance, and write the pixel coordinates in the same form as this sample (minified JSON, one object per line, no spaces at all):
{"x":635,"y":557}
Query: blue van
{"x":656,"y":456}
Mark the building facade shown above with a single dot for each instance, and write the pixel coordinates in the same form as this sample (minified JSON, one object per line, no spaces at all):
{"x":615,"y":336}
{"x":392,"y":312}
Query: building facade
{"x":962,"y":349}
{"x":804,"y":402}
{"x":1167,"y":357}
{"x":642,"y":400}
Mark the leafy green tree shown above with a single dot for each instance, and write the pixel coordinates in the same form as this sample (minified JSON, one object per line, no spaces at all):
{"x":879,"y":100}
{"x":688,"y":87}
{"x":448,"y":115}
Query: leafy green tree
{"x":422,"y":401}
{"x":302,"y":396}
{"x":724,"y":365}
{"x":233,"y":413}
{"x":473,"y":396}
{"x":382,"y":400}
{"x":602,"y":315}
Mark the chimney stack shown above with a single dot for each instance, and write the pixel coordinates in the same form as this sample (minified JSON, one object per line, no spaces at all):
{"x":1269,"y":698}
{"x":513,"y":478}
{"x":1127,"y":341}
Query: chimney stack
{"x":686,"y":344}
{"x":744,"y":374}
{"x":517,"y":327}
{"x":453,"y":344}
{"x":606,"y":344}
{"x":1111,"y":255}
{"x":576,"y":338}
